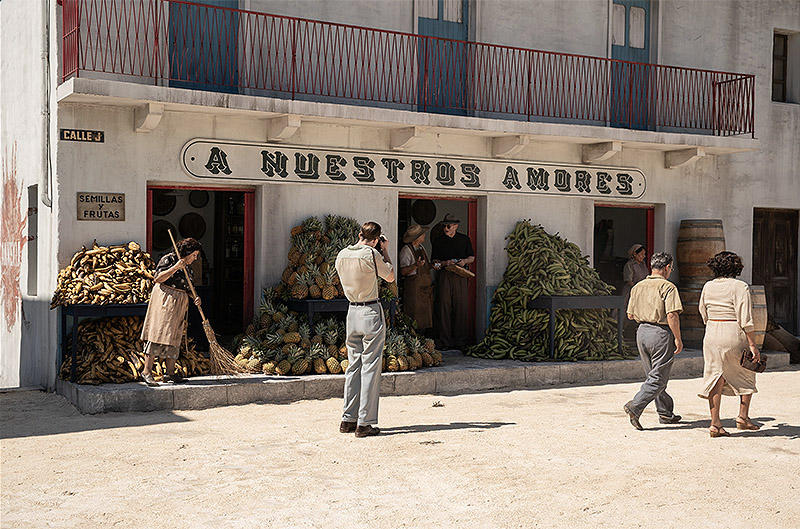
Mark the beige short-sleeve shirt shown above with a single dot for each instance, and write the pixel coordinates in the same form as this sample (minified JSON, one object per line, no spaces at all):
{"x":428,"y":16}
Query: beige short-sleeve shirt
{"x":652,"y":299}
{"x":359,"y":267}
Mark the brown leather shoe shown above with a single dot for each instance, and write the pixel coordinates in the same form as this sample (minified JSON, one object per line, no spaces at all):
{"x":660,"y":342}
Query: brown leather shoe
{"x":347,"y":427}
{"x":367,"y":431}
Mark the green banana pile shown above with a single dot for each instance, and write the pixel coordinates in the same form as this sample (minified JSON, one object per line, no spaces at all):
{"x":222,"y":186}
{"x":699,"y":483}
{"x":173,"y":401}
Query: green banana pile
{"x":540,"y":264}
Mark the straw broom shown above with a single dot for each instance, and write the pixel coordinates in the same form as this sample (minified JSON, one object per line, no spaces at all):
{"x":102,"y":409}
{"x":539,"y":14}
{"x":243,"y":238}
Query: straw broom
{"x":222,"y":362}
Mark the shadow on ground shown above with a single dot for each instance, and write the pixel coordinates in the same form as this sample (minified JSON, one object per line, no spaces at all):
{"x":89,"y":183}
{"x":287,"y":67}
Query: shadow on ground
{"x":36,"y":413}
{"x":420,"y":428}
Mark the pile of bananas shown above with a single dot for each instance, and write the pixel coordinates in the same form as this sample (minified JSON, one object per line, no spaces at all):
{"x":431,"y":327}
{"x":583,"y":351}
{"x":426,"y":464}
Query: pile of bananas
{"x":540,"y":264}
{"x":106,"y":274}
{"x":109,"y":350}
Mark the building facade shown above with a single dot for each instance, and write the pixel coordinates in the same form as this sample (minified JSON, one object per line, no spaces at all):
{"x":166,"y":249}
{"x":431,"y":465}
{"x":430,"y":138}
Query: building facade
{"x":607,"y":121}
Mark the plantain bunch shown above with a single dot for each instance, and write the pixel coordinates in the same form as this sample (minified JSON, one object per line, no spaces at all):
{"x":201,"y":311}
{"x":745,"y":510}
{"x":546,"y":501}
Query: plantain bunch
{"x":109,"y":350}
{"x":106,"y":274}
{"x":540,"y":264}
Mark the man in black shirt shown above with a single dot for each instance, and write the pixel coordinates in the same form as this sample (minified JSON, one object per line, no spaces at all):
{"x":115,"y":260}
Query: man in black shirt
{"x":452,"y":299}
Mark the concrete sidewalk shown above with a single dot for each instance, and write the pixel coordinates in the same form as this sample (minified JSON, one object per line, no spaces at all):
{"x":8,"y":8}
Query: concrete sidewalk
{"x":458,"y":374}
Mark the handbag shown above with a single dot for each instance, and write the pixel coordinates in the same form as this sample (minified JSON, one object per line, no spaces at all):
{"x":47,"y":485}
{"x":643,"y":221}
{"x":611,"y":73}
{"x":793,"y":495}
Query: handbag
{"x":748,"y":363}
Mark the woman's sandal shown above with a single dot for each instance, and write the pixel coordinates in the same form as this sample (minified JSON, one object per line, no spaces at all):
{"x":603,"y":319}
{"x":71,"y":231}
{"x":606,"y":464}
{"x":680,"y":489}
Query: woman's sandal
{"x":718,"y":431}
{"x":744,"y":423}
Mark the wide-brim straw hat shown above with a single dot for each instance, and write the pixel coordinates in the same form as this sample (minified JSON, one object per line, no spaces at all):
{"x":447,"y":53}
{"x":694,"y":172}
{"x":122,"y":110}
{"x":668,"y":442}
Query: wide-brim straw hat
{"x":413,"y":232}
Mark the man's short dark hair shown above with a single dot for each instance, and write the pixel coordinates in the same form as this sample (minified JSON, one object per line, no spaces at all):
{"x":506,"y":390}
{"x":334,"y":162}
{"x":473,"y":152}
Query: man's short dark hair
{"x":187,"y":246}
{"x":660,"y":260}
{"x":726,"y":264}
{"x":370,"y":231}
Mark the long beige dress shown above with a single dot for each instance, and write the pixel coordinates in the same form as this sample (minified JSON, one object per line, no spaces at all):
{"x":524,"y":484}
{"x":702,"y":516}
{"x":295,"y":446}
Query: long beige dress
{"x":727,"y":301}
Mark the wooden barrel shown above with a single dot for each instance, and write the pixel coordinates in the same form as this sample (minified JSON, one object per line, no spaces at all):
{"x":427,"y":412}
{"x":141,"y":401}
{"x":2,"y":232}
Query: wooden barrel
{"x":692,"y":327}
{"x":698,"y":241}
{"x":759,"y":299}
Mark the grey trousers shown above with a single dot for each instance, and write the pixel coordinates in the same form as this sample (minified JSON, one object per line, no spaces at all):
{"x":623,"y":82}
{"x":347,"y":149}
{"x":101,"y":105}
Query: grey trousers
{"x":656,"y":350}
{"x":366,"y":334}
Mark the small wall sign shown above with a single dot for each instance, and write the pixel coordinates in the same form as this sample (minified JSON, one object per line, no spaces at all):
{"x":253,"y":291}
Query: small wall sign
{"x":94,"y":136}
{"x":101,"y":206}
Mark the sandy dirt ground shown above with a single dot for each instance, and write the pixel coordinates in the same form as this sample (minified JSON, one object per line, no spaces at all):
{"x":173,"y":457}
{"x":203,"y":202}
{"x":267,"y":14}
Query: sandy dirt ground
{"x":550,"y":458}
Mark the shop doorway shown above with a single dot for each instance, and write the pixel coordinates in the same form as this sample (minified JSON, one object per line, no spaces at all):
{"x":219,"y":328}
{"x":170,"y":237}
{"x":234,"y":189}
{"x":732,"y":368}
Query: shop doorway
{"x":223,"y":221}
{"x":616,"y":229}
{"x":429,"y":211}
{"x":775,"y":234}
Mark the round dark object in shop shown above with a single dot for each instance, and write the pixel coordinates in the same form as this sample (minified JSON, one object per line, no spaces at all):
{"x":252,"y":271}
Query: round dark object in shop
{"x":192,"y":225}
{"x":160,"y":236}
{"x":163,"y":203}
{"x":198,"y":198}
{"x":423,"y":211}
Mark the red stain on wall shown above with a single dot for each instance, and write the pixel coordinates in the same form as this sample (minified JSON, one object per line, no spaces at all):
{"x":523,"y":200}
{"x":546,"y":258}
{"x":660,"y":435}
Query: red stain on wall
{"x":12,"y":225}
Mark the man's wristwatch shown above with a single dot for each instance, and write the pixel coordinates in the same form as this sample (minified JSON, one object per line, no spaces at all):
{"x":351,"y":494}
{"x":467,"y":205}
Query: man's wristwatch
{"x":456,"y":261}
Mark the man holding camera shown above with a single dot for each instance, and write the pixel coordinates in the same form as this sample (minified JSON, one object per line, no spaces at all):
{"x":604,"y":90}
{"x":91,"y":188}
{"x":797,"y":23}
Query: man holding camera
{"x":452,"y":301}
{"x":359,"y":267}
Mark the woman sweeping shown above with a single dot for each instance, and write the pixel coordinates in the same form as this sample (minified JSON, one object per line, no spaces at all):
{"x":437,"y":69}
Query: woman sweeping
{"x":164,"y":323}
{"x":727,"y":312}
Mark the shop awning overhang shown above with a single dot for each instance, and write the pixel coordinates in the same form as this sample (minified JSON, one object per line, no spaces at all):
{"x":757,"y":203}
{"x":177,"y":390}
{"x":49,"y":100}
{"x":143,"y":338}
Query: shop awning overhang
{"x":149,"y":101}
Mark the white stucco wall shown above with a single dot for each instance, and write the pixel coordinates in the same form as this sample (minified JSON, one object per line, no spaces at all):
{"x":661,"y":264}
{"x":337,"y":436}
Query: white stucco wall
{"x":27,"y":326}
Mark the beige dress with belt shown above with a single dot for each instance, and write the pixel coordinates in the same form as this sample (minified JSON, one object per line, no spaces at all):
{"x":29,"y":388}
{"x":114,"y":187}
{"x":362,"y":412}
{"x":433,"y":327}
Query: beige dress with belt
{"x":727,"y":312}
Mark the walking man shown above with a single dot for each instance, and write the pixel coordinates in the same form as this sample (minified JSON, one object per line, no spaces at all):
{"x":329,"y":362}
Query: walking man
{"x":452,"y":289}
{"x":359,"y":267}
{"x":656,"y":305}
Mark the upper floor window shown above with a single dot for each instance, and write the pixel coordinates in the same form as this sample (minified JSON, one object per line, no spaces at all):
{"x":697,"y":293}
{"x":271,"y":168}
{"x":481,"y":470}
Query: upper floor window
{"x":779,"y":49}
{"x":786,"y":67}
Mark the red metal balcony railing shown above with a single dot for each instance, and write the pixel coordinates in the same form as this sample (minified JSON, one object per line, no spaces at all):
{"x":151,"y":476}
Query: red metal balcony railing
{"x":192,"y":45}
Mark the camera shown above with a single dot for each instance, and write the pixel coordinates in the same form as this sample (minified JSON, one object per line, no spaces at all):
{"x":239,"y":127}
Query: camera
{"x":380,"y":244}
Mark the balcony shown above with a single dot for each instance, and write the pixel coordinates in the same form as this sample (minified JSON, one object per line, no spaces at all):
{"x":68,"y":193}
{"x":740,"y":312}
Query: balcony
{"x":181,"y":44}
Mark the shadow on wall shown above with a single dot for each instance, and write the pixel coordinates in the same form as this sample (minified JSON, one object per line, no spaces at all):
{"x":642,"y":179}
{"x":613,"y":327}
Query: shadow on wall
{"x":35,"y":354}
{"x":36,"y":413}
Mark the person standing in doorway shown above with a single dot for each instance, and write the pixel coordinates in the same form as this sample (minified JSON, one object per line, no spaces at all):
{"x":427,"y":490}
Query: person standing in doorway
{"x":656,"y":306}
{"x":634,"y":271}
{"x":418,"y":284}
{"x":359,"y":267}
{"x":165,"y":321}
{"x":452,"y":300}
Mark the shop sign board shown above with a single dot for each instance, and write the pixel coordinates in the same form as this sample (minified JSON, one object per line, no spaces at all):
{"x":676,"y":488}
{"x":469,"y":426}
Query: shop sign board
{"x":101,"y":206}
{"x":216,"y":159}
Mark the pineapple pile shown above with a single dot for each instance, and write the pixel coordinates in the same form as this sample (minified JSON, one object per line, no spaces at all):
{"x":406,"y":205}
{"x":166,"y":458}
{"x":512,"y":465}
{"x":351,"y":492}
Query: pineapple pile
{"x":279,"y":342}
{"x":311,"y":272}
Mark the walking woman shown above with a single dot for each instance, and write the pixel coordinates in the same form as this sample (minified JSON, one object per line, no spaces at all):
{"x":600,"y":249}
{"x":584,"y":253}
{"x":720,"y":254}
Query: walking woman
{"x":164,"y":323}
{"x":726,"y":309}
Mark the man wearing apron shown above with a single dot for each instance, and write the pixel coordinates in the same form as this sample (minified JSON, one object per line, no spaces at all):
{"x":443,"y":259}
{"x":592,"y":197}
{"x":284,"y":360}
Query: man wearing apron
{"x":165,"y":320}
{"x":416,"y":268}
{"x":452,"y":298}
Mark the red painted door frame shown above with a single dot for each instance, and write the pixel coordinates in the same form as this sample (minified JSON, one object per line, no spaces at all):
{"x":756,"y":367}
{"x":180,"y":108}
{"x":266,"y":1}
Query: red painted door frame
{"x":472,"y":233}
{"x":249,"y":237}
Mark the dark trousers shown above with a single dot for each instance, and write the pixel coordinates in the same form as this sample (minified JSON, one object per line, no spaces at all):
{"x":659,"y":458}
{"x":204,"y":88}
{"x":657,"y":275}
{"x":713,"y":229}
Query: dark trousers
{"x":452,"y":304}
